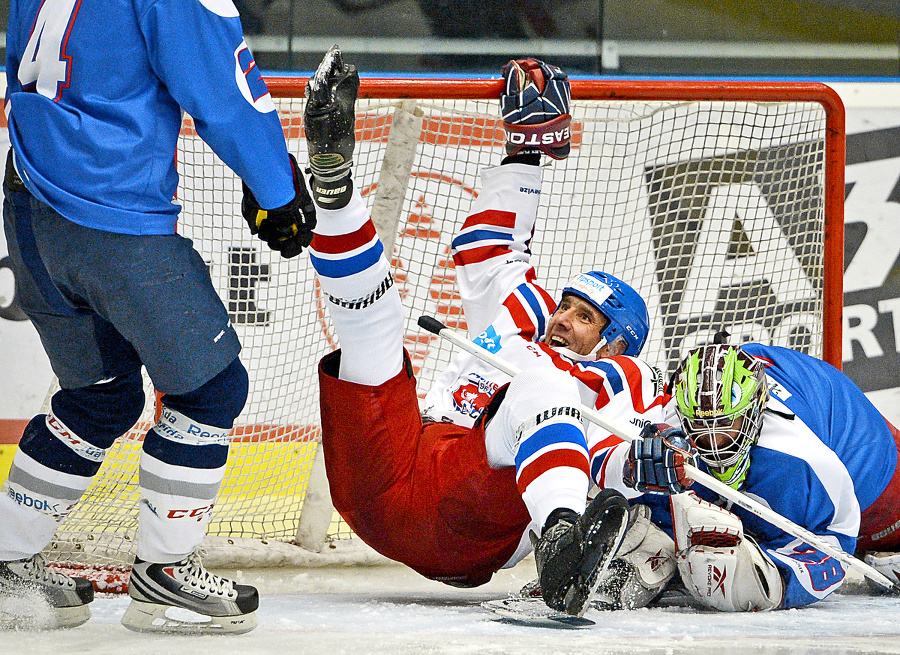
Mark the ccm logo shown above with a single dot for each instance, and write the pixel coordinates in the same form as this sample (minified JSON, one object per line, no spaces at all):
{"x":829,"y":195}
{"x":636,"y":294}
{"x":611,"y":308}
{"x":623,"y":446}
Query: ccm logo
{"x":197,"y":513}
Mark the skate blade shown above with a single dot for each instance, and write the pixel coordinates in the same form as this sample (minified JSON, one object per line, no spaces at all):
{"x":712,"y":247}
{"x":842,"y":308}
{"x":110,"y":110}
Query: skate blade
{"x":535,"y":613}
{"x":151,"y":617}
{"x":31,"y":612}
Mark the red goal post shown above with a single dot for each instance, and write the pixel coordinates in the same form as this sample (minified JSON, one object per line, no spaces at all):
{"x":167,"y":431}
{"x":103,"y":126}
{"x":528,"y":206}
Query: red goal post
{"x":720,"y":202}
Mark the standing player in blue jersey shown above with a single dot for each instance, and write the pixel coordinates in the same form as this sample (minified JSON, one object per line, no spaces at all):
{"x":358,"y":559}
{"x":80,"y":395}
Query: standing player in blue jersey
{"x":798,"y":435}
{"x":96,"y":91}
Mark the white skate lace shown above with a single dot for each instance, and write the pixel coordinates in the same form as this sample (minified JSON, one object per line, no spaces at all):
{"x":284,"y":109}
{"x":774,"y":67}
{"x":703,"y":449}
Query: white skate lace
{"x":200,"y":578}
{"x":36,"y":569}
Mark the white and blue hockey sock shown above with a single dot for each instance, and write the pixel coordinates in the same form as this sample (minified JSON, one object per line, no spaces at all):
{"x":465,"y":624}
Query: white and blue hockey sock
{"x":363,"y":301}
{"x":183,"y":464}
{"x":58,"y":456}
{"x":538,"y":429}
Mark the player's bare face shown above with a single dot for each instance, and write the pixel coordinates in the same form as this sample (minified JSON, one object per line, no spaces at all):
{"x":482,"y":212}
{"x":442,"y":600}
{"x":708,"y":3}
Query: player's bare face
{"x":575,"y":325}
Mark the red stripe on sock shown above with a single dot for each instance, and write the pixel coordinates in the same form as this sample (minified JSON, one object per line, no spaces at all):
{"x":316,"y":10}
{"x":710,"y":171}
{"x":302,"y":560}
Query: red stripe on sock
{"x":554,"y":459}
{"x":338,"y":243}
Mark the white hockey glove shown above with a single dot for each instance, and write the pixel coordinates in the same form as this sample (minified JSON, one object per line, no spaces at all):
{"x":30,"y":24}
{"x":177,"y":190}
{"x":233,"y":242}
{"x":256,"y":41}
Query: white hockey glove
{"x":720,"y":566}
{"x":535,"y":108}
{"x":643,"y":566}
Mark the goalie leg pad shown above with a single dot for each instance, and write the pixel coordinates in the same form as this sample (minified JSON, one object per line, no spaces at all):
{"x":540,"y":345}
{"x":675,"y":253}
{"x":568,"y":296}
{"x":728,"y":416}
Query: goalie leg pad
{"x":887,"y":563}
{"x":721,"y":567}
{"x":643,"y":566}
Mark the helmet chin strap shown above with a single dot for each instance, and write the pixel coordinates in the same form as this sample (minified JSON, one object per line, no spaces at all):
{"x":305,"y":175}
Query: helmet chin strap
{"x":578,"y":357}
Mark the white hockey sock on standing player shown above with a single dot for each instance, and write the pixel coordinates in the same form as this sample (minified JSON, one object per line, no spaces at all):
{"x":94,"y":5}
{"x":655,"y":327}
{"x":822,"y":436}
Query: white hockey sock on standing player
{"x":177,"y":501}
{"x":37,"y":497}
{"x":363,"y":301}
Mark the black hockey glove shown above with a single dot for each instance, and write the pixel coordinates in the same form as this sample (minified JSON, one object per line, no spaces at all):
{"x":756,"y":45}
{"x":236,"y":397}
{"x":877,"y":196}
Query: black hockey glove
{"x":535,"y":107}
{"x":287,"y":229}
{"x":330,"y":121}
{"x":656,"y":461}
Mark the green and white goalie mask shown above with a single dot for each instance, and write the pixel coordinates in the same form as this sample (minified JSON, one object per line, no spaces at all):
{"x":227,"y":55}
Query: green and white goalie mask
{"x":721,"y":393}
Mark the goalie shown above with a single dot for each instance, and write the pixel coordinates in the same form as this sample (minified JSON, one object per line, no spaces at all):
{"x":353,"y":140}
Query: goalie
{"x":796,"y":434}
{"x":495,"y":467}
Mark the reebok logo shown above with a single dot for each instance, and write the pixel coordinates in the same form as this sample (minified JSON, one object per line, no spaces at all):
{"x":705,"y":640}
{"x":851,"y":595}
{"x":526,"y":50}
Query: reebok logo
{"x":40,"y":504}
{"x":715,"y":580}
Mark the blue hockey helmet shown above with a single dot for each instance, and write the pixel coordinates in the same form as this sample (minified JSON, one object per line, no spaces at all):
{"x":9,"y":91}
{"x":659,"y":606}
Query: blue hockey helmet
{"x":618,"y":302}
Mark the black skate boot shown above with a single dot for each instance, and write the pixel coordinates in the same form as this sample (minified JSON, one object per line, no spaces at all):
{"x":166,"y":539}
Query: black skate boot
{"x":155,"y":589}
{"x":573,"y":551}
{"x":34,"y":597}
{"x":329,"y":119}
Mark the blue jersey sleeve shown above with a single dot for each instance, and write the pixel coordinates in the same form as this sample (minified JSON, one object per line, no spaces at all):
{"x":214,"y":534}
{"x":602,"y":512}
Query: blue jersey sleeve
{"x":201,"y":57}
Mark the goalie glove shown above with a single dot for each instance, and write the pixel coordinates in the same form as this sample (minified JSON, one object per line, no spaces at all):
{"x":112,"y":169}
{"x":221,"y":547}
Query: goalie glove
{"x":330,"y":121}
{"x":720,"y":566}
{"x":287,"y":229}
{"x":535,"y":108}
{"x":655,"y":462}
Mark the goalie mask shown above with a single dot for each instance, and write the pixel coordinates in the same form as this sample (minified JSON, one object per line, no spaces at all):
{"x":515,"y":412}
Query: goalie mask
{"x":619,"y":303}
{"x":721,"y":392}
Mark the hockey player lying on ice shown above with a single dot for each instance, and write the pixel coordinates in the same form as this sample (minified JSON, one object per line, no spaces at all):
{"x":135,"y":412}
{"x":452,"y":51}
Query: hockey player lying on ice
{"x":788,"y":430}
{"x":491,"y":473}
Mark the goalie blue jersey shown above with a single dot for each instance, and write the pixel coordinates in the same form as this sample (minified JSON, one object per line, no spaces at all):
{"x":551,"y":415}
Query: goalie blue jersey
{"x":95,"y":95}
{"x":824,"y":455}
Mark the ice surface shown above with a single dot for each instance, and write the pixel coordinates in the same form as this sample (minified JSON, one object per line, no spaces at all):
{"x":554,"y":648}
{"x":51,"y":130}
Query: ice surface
{"x":391,"y":610}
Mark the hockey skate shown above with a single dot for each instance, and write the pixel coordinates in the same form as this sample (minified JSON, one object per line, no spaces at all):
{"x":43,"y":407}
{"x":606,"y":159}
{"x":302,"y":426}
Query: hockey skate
{"x":329,"y":119}
{"x":33,"y":597}
{"x":574,"y":551}
{"x":185,"y":598}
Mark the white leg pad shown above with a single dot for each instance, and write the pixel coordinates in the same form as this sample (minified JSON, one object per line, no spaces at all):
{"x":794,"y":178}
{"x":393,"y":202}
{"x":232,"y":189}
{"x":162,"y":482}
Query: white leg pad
{"x":720,"y":566}
{"x":643,"y":566}
{"x":885,"y":562}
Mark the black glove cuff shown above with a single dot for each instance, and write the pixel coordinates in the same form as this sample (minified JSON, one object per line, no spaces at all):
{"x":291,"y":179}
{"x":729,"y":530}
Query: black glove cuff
{"x":530,"y":157}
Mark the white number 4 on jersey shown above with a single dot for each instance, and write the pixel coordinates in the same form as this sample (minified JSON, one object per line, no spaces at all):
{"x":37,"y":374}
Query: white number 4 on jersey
{"x":44,"y":61}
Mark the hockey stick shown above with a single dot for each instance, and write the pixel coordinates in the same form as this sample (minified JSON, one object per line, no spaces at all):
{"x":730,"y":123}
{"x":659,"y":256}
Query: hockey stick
{"x":625,"y":432}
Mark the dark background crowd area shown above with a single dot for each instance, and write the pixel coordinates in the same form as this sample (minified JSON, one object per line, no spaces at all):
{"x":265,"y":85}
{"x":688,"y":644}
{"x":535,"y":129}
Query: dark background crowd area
{"x":809,"y":38}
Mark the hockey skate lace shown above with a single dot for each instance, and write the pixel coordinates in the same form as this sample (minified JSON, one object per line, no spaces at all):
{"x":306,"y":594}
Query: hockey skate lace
{"x":36,"y":569}
{"x":200,"y":578}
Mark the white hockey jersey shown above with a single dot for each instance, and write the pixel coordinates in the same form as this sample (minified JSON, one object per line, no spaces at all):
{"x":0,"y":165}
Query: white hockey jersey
{"x":507,"y":312}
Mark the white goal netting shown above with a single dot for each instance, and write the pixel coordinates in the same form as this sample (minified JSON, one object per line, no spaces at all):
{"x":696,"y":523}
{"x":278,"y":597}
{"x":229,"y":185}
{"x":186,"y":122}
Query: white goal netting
{"x":714,"y":210}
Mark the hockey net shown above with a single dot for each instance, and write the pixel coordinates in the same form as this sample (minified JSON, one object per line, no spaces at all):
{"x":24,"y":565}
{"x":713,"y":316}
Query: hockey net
{"x":721,"y":203}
